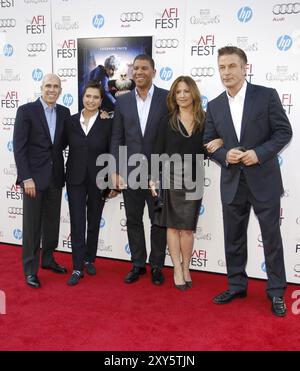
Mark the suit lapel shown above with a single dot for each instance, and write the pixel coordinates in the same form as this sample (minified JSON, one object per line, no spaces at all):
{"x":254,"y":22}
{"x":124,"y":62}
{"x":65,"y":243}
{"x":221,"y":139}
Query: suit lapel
{"x":133,"y":104}
{"x":228,"y":117}
{"x":152,"y":110}
{"x":58,"y":127}
{"x":43,"y":119}
{"x":248,"y":107}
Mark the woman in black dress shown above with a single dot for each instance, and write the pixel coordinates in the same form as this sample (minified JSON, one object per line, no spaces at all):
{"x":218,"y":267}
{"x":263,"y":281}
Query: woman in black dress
{"x":180,"y":136}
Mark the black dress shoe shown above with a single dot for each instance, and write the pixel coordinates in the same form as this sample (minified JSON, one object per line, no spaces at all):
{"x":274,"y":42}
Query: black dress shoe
{"x":33,"y":281}
{"x":157,"y":276}
{"x":278,"y":306}
{"x":134,"y":274}
{"x":226,"y":296}
{"x":90,"y":268}
{"x":56,"y":268}
{"x":75,"y":277}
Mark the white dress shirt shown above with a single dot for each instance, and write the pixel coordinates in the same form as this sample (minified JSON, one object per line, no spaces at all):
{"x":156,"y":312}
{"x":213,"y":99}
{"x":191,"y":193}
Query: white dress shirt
{"x":236,"y":105}
{"x":143,"y":107}
{"x":87,"y":128}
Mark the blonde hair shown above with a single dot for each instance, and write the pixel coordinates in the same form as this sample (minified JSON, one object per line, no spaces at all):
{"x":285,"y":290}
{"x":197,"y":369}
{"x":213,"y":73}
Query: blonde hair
{"x":198,"y":111}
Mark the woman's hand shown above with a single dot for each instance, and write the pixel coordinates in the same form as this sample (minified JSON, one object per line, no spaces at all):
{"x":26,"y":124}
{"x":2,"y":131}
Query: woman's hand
{"x":213,"y":145}
{"x":152,"y":188}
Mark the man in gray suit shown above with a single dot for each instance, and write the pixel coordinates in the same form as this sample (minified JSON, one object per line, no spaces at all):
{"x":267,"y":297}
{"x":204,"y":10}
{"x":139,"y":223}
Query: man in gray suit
{"x":136,"y":121}
{"x":254,"y":127}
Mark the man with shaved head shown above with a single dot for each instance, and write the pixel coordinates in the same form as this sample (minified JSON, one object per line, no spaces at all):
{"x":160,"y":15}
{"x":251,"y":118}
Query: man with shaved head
{"x":38,"y":145}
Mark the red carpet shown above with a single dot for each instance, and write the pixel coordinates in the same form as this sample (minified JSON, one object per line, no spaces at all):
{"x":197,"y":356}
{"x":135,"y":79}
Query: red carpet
{"x":103,"y":313}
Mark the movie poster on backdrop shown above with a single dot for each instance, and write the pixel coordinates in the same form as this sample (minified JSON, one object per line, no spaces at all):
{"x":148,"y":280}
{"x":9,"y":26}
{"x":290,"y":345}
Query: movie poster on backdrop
{"x":109,"y":61}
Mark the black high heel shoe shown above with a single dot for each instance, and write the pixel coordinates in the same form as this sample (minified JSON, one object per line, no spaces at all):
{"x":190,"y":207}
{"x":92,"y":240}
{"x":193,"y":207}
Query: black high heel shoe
{"x":189,"y":284}
{"x":180,"y":287}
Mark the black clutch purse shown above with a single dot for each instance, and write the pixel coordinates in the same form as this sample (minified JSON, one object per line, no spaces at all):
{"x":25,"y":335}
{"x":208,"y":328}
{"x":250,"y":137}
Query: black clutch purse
{"x":159,"y":198}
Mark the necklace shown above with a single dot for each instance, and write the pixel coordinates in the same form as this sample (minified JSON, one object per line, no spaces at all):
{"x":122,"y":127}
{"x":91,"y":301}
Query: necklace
{"x":180,"y":130}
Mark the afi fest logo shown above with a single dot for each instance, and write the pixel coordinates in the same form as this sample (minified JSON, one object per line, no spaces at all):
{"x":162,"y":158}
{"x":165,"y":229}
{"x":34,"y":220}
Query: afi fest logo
{"x":2,"y":302}
{"x":169,"y":19}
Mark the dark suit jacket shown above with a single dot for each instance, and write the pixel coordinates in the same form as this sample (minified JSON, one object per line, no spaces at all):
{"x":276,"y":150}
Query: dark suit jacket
{"x":84,"y":149}
{"x":265,"y":129}
{"x":127,"y":129}
{"x":35,"y":155}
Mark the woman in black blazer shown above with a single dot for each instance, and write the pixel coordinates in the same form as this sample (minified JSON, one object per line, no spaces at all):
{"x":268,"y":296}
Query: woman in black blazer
{"x":88,"y":135}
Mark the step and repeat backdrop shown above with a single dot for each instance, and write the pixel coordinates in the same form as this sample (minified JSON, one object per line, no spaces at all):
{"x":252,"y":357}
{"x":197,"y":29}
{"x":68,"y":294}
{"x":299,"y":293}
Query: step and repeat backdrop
{"x":70,"y":38}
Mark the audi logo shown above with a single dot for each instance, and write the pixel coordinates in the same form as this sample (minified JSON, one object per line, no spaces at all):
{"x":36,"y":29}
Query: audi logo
{"x":131,"y":17}
{"x":36,"y":47}
{"x":290,"y":8}
{"x":67,"y":72}
{"x":297,"y":268}
{"x":202,"y":71}
{"x":166,"y":43}
{"x":7,"y":22}
{"x":8,"y":121}
{"x":15,"y":211}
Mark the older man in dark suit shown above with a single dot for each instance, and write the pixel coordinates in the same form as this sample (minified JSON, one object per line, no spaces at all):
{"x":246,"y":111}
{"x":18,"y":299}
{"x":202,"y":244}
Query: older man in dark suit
{"x":38,"y":144}
{"x":136,"y":122}
{"x":254,"y":127}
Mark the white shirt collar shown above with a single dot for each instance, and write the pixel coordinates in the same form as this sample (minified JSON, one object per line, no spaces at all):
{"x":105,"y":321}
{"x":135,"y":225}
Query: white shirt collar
{"x":240,"y":94}
{"x":150,"y":92}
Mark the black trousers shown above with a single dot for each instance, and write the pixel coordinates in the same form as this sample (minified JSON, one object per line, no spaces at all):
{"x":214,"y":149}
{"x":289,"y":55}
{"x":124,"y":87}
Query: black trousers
{"x":85,"y":205}
{"x":236,"y":218}
{"x":134,"y":201}
{"x":41,"y":219}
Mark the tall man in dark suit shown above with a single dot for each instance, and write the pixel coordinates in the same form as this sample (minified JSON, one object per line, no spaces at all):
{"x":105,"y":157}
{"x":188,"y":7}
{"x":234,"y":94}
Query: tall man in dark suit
{"x":38,"y":144}
{"x":254,"y":127}
{"x":136,"y":121}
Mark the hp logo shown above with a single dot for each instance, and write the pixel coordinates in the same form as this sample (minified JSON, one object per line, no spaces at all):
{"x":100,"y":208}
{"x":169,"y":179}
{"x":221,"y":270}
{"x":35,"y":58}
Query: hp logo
{"x":245,"y":14}
{"x":102,"y":222}
{"x":204,"y":101}
{"x":98,"y":21}
{"x":8,"y":50}
{"x":17,"y":234}
{"x":127,"y":249}
{"x":202,"y":210}
{"x":10,"y":146}
{"x":68,"y":99}
{"x":37,"y":74}
{"x":284,"y":43}
{"x":166,"y":73}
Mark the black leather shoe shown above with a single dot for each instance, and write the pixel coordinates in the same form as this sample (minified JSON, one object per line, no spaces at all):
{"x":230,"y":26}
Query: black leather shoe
{"x":157,"y":276}
{"x":278,"y":306}
{"x":33,"y":281}
{"x":134,"y":274}
{"x":227,"y":296}
{"x":56,"y":268}
{"x":90,"y":268}
{"x":75,"y":277}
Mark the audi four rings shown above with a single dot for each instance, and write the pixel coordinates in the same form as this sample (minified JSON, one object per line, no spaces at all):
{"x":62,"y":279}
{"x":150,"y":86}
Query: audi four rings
{"x":202,"y":71}
{"x":166,"y":43}
{"x":36,"y":47}
{"x":290,"y":8}
{"x":7,"y":22}
{"x":15,"y":211}
{"x":8,"y":121}
{"x":131,"y":17}
{"x":67,"y":72}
